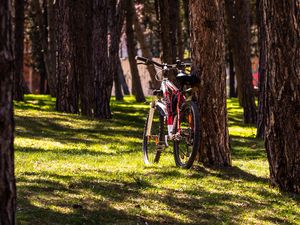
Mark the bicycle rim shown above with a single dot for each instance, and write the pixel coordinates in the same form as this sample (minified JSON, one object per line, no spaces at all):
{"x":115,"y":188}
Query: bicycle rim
{"x":187,"y":145}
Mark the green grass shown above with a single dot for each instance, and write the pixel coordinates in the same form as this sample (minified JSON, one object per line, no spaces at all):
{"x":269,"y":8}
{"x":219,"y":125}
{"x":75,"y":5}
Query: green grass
{"x":72,"y":170}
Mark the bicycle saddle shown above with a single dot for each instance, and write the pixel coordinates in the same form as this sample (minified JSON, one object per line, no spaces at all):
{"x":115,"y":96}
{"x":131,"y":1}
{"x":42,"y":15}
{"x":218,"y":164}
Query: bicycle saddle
{"x":186,"y":79}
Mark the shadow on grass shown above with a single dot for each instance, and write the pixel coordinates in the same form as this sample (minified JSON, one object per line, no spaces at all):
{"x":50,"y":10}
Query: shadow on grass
{"x":231,"y":173}
{"x":95,"y":196}
{"x":91,"y":200}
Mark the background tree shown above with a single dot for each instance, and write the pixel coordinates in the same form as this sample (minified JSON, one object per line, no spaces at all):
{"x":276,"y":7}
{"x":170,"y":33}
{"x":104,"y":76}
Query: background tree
{"x":67,"y":95}
{"x":38,"y":36}
{"x":51,"y":76}
{"x":136,"y":82}
{"x":19,"y":50}
{"x":238,"y":21}
{"x":7,"y":177}
{"x":115,"y":23}
{"x":262,"y":73}
{"x":145,"y":50}
{"x":165,"y":30}
{"x":281,"y":38}
{"x":103,"y":80}
{"x":208,"y":57}
{"x":82,"y":31}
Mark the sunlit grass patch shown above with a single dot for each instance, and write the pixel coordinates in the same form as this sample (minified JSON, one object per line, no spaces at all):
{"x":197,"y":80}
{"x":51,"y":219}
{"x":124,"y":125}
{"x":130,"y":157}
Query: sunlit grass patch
{"x":74,"y":170}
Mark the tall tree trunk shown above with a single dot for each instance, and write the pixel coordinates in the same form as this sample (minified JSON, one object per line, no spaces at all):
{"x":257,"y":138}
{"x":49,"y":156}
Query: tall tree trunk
{"x":43,"y":77}
{"x":41,"y":18}
{"x":82,"y":41}
{"x":262,"y":71}
{"x":165,"y":30}
{"x":180,"y":48}
{"x":66,"y":95}
{"x":115,"y":23}
{"x":19,"y":50}
{"x":52,"y":78}
{"x":186,"y":21}
{"x":281,"y":41}
{"x":136,"y":82}
{"x":208,"y":57}
{"x":238,"y":21}
{"x":103,"y":80}
{"x":7,"y":177}
{"x":145,"y":51}
{"x":232,"y":91}
{"x":122,"y":78}
{"x":174,"y":20}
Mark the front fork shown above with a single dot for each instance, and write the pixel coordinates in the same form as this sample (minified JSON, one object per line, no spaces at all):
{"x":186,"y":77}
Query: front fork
{"x":150,"y":118}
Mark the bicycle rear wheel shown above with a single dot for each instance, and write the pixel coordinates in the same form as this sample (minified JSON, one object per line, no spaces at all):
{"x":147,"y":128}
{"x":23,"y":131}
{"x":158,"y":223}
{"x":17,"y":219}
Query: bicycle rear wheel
{"x":153,"y":143}
{"x":187,"y":140}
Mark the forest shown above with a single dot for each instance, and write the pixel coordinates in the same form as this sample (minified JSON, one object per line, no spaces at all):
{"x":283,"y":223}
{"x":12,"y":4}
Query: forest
{"x":149,"y":112}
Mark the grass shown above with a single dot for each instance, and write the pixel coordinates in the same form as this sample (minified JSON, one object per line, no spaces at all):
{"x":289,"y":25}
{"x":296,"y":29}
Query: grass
{"x":72,"y":170}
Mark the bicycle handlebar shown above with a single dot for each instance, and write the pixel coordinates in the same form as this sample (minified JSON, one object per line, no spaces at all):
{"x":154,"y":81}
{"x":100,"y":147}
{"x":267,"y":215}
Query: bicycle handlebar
{"x":178,"y":64}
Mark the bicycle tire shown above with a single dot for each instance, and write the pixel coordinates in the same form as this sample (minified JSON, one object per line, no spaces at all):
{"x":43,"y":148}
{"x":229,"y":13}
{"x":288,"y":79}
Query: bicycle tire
{"x":151,"y":152}
{"x":186,"y":159}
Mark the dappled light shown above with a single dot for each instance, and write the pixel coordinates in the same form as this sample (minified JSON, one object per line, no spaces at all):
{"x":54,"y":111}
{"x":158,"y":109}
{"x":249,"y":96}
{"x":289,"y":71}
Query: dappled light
{"x":74,"y":170}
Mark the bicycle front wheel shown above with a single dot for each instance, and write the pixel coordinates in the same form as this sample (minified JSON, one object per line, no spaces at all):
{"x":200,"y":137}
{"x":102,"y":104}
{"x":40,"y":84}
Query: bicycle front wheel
{"x":187,"y":138}
{"x":153,"y":138}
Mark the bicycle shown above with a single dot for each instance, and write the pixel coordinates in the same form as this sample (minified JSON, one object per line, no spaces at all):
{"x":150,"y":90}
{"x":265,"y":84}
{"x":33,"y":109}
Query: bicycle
{"x":175,"y":108}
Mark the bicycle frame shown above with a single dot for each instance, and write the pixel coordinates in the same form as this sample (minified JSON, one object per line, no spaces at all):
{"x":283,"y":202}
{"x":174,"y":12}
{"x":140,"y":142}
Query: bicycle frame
{"x":169,"y":90}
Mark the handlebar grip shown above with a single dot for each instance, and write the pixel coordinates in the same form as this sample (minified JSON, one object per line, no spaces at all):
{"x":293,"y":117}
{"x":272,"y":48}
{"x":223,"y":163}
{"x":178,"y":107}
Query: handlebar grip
{"x":141,"y":58}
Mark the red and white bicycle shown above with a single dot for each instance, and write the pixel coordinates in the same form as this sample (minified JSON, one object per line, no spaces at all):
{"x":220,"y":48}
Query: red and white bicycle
{"x":175,"y":108}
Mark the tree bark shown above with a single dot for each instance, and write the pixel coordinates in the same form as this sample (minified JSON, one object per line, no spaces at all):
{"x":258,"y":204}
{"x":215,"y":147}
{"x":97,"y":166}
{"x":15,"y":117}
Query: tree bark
{"x":232,"y":91}
{"x":82,"y":28}
{"x":66,"y":95}
{"x":238,"y":21}
{"x":122,"y":79}
{"x":103,"y":80}
{"x":186,"y":21}
{"x":19,"y":50}
{"x":145,"y":51}
{"x":136,"y":82}
{"x":262,"y":73}
{"x":52,"y":78}
{"x":180,"y":48}
{"x":281,"y":41}
{"x":165,"y":30}
{"x":7,"y":177}
{"x":174,"y":20}
{"x":115,"y":23}
{"x":208,"y":57}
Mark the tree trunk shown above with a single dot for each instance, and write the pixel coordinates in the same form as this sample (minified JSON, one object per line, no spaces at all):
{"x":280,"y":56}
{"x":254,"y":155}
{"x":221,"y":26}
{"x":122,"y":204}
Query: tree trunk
{"x":281,"y":38}
{"x":66,"y":95}
{"x":103,"y":80}
{"x":180,"y":48}
{"x":165,"y":29}
{"x":52,"y":79}
{"x":43,"y":77}
{"x":186,"y":21}
{"x":122,"y":78}
{"x":232,"y":91}
{"x":136,"y":82}
{"x":208,"y":57}
{"x":239,"y":37}
{"x":82,"y":37}
{"x":7,"y":177}
{"x":262,"y":71}
{"x":115,"y":22}
{"x":174,"y":20}
{"x":146,"y":52}
{"x":19,"y":50}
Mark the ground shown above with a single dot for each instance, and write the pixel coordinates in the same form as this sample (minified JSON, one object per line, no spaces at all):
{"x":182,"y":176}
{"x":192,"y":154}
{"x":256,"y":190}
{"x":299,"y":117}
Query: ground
{"x":72,"y":170}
